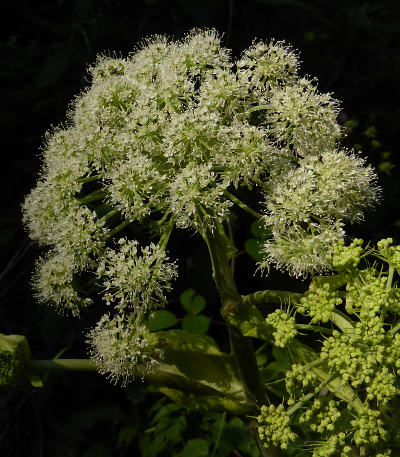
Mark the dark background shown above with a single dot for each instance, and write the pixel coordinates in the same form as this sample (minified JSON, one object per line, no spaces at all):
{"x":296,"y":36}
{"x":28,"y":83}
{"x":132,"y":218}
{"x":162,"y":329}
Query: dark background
{"x":352,"y":46}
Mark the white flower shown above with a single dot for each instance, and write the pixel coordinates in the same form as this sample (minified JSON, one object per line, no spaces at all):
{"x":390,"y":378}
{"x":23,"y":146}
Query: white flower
{"x":136,"y":187}
{"x":136,"y":280}
{"x":269,"y":64}
{"x":196,"y":187}
{"x":119,"y":345}
{"x":53,"y":283}
{"x":307,"y":207}
{"x":165,"y":131}
{"x":302,"y":119}
{"x":301,"y":249}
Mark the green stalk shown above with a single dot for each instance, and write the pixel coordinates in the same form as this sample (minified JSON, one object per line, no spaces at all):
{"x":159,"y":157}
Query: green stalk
{"x":118,"y":228}
{"x":96,"y":195}
{"x":312,"y":394}
{"x":389,"y":284}
{"x":344,"y":322}
{"x":257,"y":108}
{"x":270,"y":296}
{"x":221,"y":426}
{"x":110,"y":214}
{"x":158,"y":375}
{"x":166,"y":235}
{"x":90,"y":179}
{"x":395,"y":328}
{"x":241,"y":347}
{"x":241,"y":204}
{"x":313,"y":328}
{"x":64,"y":364}
{"x":390,"y":277}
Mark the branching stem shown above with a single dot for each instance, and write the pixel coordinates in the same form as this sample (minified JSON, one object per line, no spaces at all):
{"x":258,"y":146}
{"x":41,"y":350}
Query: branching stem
{"x":242,"y":205}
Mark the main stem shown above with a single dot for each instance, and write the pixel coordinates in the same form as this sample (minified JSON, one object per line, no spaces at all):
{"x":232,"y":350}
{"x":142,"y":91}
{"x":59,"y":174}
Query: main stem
{"x":241,"y":347}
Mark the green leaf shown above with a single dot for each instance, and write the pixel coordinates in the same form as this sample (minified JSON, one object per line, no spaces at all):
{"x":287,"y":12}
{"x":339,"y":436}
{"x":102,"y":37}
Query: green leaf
{"x":283,"y":362}
{"x":181,"y":340}
{"x":191,"y":302}
{"x":206,"y":403}
{"x":126,"y":435}
{"x":165,"y":411}
{"x":186,"y":299}
{"x":168,"y":433}
{"x":259,"y":230}
{"x":196,"y":324}
{"x":236,"y":435}
{"x":196,"y":448}
{"x":251,"y":323}
{"x":198,"y":304}
{"x":161,"y":319}
{"x":252,"y":246}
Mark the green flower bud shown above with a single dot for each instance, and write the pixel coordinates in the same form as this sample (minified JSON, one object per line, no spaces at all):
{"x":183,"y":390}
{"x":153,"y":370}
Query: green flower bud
{"x":15,"y":359}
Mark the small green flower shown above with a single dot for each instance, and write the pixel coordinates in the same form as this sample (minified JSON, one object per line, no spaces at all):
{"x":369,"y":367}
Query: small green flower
{"x":274,"y":427}
{"x":284,"y":326}
{"x":318,"y":303}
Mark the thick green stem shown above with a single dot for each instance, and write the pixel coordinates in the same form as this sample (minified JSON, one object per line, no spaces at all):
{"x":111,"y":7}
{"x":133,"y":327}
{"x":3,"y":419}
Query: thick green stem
{"x":257,"y":108}
{"x":242,"y":347}
{"x":64,"y":364}
{"x":271,"y":296}
{"x":160,"y":375}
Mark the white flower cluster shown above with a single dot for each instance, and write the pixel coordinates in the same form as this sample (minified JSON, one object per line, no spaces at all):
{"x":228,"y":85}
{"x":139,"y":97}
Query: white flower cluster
{"x":119,"y":345}
{"x":169,"y":128}
{"x":158,"y":137}
{"x":307,"y":208}
{"x":134,"y":281}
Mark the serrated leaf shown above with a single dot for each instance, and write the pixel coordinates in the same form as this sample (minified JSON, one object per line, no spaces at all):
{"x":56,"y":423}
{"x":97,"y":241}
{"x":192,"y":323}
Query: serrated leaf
{"x":161,"y":319}
{"x":186,"y":299}
{"x":252,"y":246}
{"x":259,"y":230}
{"x":196,"y":324}
{"x":196,"y":447}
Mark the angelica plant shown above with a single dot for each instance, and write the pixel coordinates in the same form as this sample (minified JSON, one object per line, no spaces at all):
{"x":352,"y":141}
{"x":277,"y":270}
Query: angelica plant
{"x":164,"y":139}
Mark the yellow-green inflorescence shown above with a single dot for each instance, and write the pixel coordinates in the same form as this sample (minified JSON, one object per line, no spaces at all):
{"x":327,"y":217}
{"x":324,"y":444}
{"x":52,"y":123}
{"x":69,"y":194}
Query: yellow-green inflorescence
{"x":274,"y":428}
{"x":155,"y":141}
{"x":284,"y":327}
{"x":347,"y":394}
